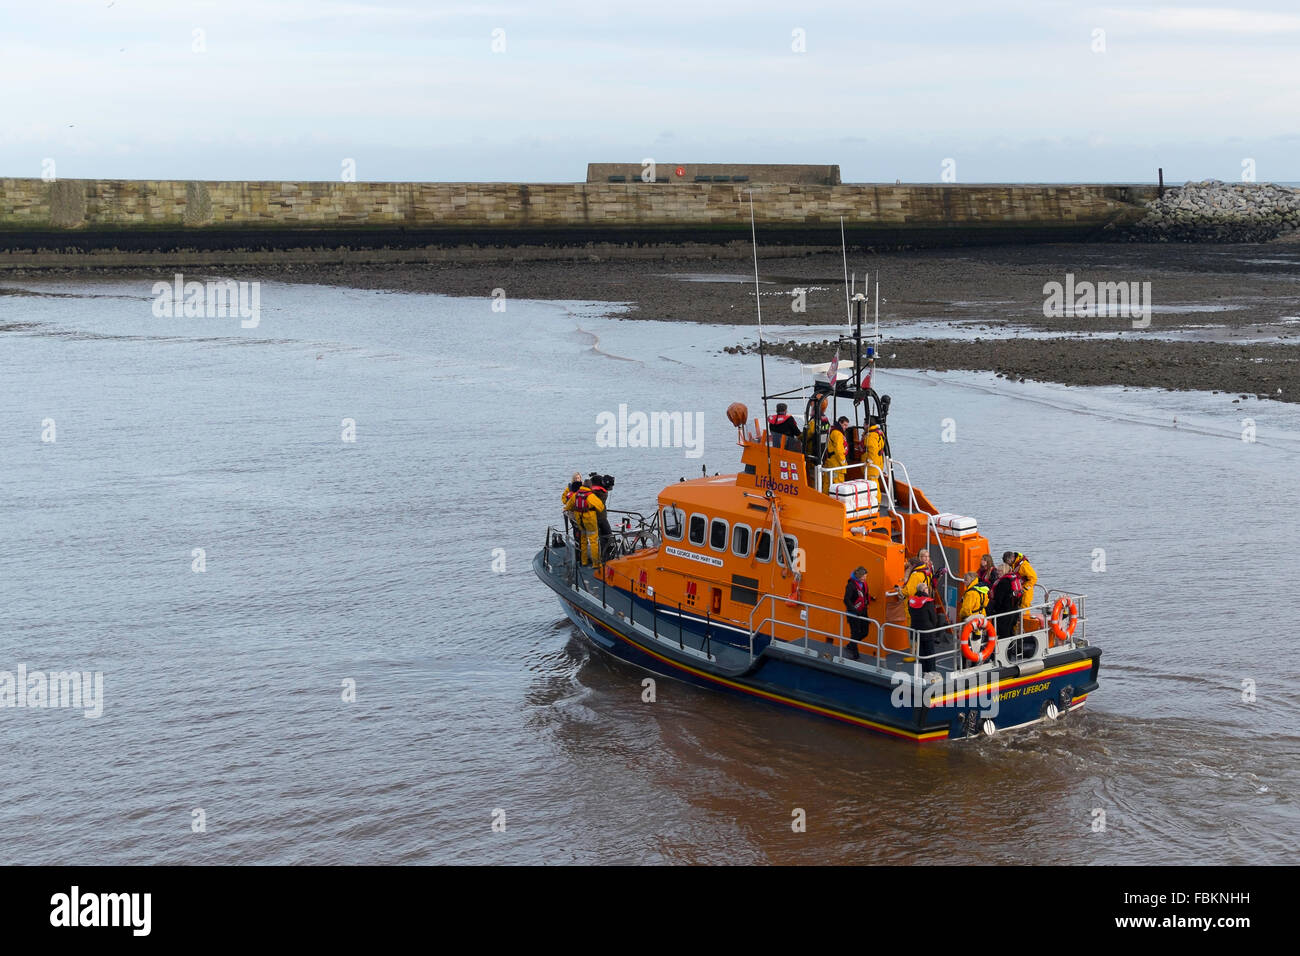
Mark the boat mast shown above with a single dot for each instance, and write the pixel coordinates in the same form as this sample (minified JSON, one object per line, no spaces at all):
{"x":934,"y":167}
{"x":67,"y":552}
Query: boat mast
{"x":844,"y":250}
{"x":762,"y":357}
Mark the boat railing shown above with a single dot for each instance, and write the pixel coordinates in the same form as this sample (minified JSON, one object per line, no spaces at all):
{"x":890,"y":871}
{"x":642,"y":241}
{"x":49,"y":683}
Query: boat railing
{"x":766,"y":621}
{"x":911,"y":490}
{"x":801,"y":632}
{"x":663,"y":621}
{"x":931,"y":525}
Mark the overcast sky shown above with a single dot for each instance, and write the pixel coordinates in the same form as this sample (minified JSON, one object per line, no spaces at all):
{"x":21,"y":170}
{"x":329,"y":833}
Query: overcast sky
{"x":1010,"y":90}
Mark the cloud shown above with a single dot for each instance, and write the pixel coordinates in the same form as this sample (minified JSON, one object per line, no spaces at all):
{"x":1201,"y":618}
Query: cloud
{"x":1214,"y":20}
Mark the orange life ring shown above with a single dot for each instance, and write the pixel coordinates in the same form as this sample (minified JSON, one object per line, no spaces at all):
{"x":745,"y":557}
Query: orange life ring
{"x":1061,"y":608}
{"x":981,"y":623}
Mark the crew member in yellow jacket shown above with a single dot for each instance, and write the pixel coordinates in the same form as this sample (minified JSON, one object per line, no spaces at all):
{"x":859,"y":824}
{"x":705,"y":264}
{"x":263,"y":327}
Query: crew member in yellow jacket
{"x":815,"y":435}
{"x":837,"y":454}
{"x":571,"y":489}
{"x":975,"y":601}
{"x":876,"y":456}
{"x":570,"y":521}
{"x":586,"y":506}
{"x":1028,"y":576}
{"x":919,"y":571}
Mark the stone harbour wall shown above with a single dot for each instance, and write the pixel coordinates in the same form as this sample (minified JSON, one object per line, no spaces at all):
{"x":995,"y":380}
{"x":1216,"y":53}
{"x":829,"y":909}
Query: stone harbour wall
{"x":462,"y":209}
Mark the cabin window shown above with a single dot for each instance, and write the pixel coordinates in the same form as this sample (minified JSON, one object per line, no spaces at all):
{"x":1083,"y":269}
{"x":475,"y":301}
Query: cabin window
{"x":791,"y":545}
{"x":763,"y":550}
{"x":698,"y":524}
{"x":740,"y":536}
{"x":718,"y":535}
{"x":674,"y":522}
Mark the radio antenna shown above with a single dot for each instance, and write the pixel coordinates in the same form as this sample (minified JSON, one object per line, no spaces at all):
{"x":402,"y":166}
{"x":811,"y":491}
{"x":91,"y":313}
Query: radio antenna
{"x":877,"y":310}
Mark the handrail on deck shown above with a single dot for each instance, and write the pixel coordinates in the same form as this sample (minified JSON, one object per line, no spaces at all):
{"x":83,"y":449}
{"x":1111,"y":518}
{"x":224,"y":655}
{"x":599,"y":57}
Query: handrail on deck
{"x":878,"y":649}
{"x":607,"y":575}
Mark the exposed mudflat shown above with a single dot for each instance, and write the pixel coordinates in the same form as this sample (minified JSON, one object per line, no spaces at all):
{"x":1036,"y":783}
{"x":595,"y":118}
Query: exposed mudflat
{"x":1263,"y":371}
{"x":1223,"y":317}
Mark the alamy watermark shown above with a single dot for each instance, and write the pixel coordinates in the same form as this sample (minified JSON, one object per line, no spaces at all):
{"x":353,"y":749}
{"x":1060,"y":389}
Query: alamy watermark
{"x":214,"y":299}
{"x":978,"y":691}
{"x":651,"y":430}
{"x":1086,"y":299}
{"x":128,"y":910}
{"x":68,"y":689}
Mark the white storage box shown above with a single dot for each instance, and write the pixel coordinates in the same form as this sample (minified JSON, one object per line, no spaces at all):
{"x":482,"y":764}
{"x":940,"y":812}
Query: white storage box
{"x":958,"y":526}
{"x":860,"y":497}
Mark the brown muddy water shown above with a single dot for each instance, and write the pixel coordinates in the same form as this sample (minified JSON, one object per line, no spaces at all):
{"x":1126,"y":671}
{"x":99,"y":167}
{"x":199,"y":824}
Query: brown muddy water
{"x":398,"y":563}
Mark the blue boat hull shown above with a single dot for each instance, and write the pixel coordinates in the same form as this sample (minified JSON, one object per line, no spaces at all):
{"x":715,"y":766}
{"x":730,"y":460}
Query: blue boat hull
{"x":699,"y":654}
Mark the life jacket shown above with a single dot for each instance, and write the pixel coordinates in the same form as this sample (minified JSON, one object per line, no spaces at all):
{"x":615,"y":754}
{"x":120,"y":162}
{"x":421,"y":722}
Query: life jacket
{"x":778,"y":419}
{"x":860,"y":599}
{"x":1017,"y":588}
{"x":983,"y":591}
{"x":918,"y":601}
{"x":1016,"y":562}
{"x":580,"y":499}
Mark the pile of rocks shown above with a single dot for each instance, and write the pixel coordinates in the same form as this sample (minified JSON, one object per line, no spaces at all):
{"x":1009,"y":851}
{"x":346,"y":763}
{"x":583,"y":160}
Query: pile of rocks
{"x":1214,"y":211}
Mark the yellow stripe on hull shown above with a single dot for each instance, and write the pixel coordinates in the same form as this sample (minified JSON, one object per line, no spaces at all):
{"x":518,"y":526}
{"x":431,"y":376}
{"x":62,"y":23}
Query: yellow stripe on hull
{"x":1049,"y":672}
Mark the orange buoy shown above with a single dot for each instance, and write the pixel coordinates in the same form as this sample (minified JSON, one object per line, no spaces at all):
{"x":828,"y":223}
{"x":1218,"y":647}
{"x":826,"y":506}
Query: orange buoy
{"x":978,"y":623}
{"x":1064,"y":607}
{"x":737,"y":413}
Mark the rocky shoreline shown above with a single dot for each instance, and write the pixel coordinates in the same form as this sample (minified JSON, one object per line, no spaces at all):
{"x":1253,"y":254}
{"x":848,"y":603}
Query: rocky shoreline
{"x":1215,"y":211}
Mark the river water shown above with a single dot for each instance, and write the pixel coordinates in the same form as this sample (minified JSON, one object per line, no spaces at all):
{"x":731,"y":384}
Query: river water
{"x":398,"y":563}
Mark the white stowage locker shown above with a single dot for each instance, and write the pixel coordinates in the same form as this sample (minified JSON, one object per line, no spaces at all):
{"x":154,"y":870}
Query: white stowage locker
{"x":860,"y":497}
{"x":959,"y":526}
